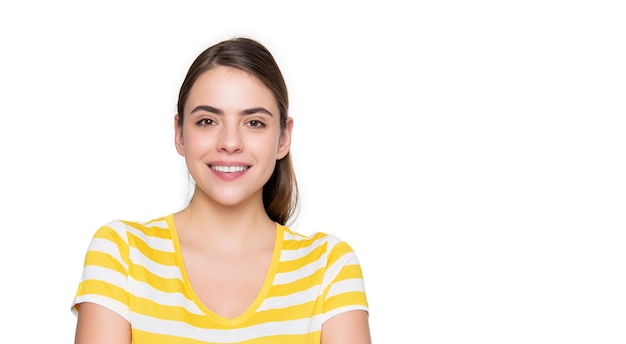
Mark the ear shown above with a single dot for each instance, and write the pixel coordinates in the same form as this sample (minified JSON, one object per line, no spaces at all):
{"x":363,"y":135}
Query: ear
{"x":178,"y":137}
{"x":284,"y":142}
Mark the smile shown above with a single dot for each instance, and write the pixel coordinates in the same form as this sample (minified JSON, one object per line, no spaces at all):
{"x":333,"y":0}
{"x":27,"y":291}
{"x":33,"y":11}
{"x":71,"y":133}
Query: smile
{"x":228,"y":169}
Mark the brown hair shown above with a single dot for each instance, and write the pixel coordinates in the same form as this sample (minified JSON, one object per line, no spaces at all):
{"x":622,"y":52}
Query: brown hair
{"x":280,"y":192}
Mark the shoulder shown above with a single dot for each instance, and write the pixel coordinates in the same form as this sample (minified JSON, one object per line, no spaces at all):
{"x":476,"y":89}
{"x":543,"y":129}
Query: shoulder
{"x":293,"y":238}
{"x":329,"y":244}
{"x":127,"y":230}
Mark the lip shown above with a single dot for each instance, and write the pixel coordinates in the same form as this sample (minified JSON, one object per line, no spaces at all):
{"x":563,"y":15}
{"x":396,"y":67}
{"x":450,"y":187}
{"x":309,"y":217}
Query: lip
{"x":226,"y":175}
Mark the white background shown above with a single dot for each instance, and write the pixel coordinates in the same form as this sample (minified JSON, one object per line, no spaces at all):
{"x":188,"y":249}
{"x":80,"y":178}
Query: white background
{"x":471,"y":152}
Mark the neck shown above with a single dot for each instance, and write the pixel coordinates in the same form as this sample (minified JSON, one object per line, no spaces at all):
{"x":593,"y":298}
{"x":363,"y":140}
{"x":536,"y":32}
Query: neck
{"x":210,"y":225}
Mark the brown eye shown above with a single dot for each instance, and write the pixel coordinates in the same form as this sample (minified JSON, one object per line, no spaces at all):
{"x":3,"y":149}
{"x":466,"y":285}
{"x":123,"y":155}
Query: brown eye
{"x":205,"y":122}
{"x":256,"y":124}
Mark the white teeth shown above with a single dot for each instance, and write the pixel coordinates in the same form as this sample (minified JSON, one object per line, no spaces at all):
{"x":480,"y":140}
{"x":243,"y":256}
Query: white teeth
{"x":229,"y":169}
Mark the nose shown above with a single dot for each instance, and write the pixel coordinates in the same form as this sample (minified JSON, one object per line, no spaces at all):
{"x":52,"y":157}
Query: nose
{"x":230,"y":140}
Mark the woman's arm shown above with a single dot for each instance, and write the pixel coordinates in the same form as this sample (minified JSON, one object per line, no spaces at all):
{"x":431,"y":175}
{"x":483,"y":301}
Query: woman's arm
{"x":351,"y":327}
{"x":99,"y":325}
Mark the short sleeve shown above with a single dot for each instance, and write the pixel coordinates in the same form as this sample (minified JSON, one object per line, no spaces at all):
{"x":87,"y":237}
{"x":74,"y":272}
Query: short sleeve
{"x":344,"y":288}
{"x":105,"y":273}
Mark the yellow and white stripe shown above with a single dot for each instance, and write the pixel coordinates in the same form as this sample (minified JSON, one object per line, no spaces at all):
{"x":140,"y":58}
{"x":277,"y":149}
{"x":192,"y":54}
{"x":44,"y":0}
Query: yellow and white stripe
{"x":135,"y":269}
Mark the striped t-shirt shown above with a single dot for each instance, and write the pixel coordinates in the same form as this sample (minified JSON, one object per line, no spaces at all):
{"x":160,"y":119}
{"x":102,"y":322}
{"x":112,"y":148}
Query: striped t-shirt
{"x":136,"y":270}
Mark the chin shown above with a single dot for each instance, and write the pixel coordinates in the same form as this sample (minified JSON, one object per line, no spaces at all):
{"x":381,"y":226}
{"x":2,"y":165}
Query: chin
{"x":232,"y":200}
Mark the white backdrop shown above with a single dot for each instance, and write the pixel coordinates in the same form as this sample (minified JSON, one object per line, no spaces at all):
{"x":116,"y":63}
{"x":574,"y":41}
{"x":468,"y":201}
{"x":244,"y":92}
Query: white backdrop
{"x":472,"y":153}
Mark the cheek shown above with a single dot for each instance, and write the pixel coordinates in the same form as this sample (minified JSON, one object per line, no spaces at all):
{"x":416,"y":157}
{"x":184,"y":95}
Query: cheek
{"x":194,"y":142}
{"x":270,"y":143}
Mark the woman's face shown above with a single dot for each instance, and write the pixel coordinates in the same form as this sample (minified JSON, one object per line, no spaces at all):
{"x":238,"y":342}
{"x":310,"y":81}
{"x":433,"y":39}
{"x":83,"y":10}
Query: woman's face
{"x":231,"y":136}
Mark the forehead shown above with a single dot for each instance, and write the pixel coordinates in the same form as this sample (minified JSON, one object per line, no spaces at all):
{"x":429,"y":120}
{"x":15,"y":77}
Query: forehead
{"x":230,"y":87}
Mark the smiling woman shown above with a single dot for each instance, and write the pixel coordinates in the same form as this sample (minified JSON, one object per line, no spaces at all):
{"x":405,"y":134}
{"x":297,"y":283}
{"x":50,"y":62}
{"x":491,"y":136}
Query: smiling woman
{"x":226,"y":268}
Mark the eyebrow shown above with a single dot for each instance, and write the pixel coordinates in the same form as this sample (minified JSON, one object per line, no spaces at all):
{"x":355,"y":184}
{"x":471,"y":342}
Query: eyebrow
{"x":217,"y":111}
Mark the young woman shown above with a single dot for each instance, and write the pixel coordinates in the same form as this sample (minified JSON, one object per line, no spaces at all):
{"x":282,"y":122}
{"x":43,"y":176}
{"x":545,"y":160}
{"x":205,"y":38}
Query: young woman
{"x":225,"y":269}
